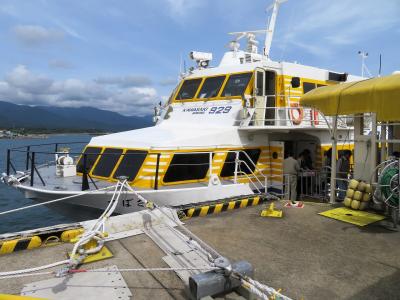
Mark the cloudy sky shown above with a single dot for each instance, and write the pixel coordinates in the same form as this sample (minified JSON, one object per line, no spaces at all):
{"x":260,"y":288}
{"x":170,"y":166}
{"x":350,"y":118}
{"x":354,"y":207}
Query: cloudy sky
{"x":125,"y":55}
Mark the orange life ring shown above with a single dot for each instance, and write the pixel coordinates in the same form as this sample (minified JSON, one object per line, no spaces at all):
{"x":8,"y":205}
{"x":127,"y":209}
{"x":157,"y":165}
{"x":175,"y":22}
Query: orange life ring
{"x":315,"y":116}
{"x":296,"y":113}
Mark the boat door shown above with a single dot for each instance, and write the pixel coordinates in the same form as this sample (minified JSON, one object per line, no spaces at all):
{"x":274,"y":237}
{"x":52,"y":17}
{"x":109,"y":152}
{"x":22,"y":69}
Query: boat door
{"x":260,"y":103}
{"x":264,"y":95}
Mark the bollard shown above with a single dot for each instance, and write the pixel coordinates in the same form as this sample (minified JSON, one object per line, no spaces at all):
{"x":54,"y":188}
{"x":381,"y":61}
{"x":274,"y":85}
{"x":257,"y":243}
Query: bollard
{"x":217,"y":282}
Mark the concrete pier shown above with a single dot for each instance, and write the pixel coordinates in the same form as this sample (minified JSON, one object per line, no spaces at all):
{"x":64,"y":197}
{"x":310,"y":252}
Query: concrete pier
{"x":304,"y":254}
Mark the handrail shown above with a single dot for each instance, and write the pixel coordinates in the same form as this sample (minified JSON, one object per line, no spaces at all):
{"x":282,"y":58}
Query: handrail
{"x":33,"y":167}
{"x":255,"y":186}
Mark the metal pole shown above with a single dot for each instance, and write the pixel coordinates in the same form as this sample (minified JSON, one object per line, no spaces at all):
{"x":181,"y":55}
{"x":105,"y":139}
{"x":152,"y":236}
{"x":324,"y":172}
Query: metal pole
{"x":374,"y":148}
{"x":333,"y":161}
{"x":236,"y":165}
{"x":210,"y":163}
{"x":157,"y":166}
{"x":383,"y":143}
{"x":32,"y":168}
{"x":28,"y":149}
{"x":8,"y":161}
{"x":85,"y":182}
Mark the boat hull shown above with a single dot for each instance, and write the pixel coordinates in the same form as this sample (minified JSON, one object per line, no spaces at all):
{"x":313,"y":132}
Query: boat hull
{"x":128,"y":201}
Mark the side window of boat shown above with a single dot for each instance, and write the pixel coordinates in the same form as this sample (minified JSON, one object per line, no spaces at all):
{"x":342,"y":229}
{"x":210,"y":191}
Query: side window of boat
{"x":92,"y":153}
{"x":187,"y":167}
{"x":107,"y":162}
{"x":130,"y":164}
{"x":308,"y":86}
{"x":188,"y":89}
{"x":211,"y":87}
{"x":236,"y":85}
{"x":247,"y":166}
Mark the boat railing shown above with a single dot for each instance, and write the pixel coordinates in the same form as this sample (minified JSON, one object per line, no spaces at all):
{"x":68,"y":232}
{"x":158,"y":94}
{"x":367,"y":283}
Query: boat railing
{"x":262,"y":114}
{"x":310,"y":185}
{"x":26,"y":163}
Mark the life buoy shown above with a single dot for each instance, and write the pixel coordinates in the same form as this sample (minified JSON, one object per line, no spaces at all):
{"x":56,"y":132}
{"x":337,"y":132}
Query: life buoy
{"x":315,"y":116}
{"x":296,"y":113}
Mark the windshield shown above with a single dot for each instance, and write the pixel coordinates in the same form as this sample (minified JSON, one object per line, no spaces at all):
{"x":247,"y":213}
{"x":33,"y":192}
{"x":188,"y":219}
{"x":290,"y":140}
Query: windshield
{"x":236,"y":85}
{"x":211,"y":87}
{"x":188,"y":89}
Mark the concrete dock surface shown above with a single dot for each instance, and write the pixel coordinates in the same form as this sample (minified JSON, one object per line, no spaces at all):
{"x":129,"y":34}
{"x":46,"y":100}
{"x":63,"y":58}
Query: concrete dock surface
{"x":306,"y":255}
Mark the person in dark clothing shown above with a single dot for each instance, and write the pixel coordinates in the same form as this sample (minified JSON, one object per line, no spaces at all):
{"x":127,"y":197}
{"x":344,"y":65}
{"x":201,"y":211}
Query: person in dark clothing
{"x":307,"y":159}
{"x":342,"y":173}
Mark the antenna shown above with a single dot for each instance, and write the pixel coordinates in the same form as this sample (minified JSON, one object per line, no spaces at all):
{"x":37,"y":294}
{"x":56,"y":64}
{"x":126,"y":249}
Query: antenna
{"x":271,"y":25}
{"x":364,"y":68}
{"x":380,"y":65}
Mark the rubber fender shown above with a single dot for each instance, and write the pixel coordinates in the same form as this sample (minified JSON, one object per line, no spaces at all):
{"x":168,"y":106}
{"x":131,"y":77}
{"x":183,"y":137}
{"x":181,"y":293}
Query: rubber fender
{"x":71,"y":234}
{"x":349,"y":193}
{"x":20,"y":244}
{"x":347,"y":202}
{"x":361,"y":186}
{"x":366,"y":197}
{"x":355,"y":204}
{"x":353,"y":184}
{"x":357,"y":195}
{"x":368,"y":188}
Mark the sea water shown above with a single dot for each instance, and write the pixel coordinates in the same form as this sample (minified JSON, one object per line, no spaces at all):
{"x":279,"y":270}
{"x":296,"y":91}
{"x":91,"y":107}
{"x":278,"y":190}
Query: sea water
{"x":10,"y":198}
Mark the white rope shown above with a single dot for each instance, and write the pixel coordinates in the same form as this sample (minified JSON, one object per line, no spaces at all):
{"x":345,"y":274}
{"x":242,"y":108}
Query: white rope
{"x":52,"y":201}
{"x":97,"y":231}
{"x":153,"y":269}
{"x":109,"y":271}
{"x":31,"y":270}
{"x":26,"y":275}
{"x":255,"y":286}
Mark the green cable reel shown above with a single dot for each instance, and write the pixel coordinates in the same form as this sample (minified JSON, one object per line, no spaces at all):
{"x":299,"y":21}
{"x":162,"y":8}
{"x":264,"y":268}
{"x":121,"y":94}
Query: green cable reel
{"x":389,"y":185}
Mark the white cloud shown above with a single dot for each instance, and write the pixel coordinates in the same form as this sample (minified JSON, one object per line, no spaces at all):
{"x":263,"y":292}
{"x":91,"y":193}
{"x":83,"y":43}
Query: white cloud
{"x":33,"y":35}
{"x":324,"y":25}
{"x":22,"y":79}
{"x":169,"y":81}
{"x":181,"y":8}
{"x":125,"y":81}
{"x":59,"y":64}
{"x":22,"y":86}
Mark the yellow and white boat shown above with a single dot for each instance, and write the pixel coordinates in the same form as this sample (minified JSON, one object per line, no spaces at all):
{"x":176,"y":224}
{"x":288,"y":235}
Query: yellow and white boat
{"x":222,"y":134}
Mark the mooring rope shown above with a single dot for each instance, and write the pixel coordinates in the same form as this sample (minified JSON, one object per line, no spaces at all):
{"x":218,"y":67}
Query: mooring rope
{"x":53,"y":201}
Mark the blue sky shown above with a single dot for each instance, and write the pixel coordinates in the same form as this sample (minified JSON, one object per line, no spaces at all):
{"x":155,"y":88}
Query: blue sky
{"x":125,"y":55}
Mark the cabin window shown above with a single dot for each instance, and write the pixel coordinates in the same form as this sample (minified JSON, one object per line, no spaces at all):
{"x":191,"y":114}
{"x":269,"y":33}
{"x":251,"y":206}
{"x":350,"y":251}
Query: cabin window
{"x":308,"y":86}
{"x":187,"y":167}
{"x":211,"y":87}
{"x":260,"y":83}
{"x":248,"y":167}
{"x":107,"y":162}
{"x":188,"y":89}
{"x":269,"y":83}
{"x":130,"y":164}
{"x":236,"y":85}
{"x":92,"y":153}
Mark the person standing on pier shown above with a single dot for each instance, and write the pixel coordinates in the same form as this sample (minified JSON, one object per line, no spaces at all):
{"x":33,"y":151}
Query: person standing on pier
{"x":290,"y":169}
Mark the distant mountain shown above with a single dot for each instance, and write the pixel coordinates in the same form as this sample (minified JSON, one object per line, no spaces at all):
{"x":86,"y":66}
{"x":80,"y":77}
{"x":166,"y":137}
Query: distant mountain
{"x":83,"y":118}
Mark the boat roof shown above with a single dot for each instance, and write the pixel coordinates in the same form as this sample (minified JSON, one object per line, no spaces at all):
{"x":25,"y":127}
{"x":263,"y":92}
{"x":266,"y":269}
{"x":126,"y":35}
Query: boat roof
{"x":165,"y":136}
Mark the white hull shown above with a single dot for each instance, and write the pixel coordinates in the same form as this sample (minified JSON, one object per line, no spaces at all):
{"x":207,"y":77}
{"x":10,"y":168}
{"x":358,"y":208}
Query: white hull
{"x":128,"y":202}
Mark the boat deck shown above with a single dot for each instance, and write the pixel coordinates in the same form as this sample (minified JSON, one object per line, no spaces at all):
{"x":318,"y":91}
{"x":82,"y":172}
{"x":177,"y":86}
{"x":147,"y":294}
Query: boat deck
{"x":306,"y":255}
